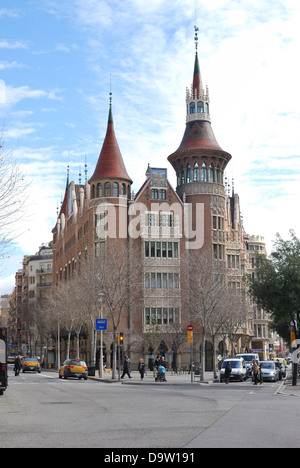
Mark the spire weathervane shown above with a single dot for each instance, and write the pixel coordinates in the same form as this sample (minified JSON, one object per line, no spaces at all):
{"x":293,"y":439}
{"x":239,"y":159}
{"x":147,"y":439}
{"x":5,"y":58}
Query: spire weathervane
{"x":196,"y":37}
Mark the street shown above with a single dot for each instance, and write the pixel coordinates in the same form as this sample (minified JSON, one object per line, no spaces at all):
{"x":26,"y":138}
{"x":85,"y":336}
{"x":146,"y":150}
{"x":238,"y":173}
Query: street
{"x":39,"y":410}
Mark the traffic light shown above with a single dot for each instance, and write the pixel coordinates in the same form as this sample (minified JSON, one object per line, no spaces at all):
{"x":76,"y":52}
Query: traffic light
{"x":121,"y":338}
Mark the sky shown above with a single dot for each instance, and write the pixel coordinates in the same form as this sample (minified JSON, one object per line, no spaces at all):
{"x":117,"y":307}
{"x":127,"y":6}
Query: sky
{"x":59,"y":59}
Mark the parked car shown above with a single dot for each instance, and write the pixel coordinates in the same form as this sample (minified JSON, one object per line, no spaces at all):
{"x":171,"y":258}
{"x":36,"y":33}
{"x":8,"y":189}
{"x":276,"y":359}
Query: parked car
{"x":269,"y":371}
{"x":73,"y":368}
{"x":31,"y":364}
{"x":248,"y":358}
{"x":11,"y":359}
{"x":238,"y":371}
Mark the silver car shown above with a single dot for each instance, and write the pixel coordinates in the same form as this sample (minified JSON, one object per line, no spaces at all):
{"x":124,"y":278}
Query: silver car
{"x":269,"y":371}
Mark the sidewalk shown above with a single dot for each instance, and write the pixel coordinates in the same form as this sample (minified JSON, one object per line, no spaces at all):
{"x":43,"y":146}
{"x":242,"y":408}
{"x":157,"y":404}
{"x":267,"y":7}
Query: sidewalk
{"x":172,"y":379}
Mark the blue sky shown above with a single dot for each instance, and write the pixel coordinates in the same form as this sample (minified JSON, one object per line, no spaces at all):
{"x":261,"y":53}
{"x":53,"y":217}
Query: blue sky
{"x":58,"y":57}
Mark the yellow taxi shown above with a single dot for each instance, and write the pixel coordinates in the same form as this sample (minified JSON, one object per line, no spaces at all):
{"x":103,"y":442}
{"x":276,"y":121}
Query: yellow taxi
{"x":73,"y":368}
{"x":31,"y":364}
{"x":11,"y":359}
{"x":280,"y":360}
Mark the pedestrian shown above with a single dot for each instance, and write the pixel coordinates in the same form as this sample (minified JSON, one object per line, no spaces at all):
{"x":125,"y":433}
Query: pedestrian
{"x":255,"y":369}
{"x":17,"y":365}
{"x":163,"y":362}
{"x":142,"y":368}
{"x":228,"y":370}
{"x":156,"y":362}
{"x":126,"y":368}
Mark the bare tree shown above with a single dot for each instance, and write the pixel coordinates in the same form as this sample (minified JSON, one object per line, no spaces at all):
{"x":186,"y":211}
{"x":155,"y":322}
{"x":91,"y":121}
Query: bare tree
{"x":203,"y":294}
{"x":13,"y":196}
{"x":119,"y":284}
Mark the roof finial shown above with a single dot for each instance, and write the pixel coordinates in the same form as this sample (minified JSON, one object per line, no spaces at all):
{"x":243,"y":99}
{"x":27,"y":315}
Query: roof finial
{"x":196,"y":37}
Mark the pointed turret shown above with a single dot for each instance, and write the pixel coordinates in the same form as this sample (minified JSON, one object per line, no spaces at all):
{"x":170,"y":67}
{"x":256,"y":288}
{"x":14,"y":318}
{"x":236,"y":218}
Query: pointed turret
{"x":199,"y":157}
{"x":110,"y":164}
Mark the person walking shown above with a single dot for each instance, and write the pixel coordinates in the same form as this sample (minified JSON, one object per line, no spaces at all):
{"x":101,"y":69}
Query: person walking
{"x":255,"y":371}
{"x":142,"y":368}
{"x":228,"y":370}
{"x":126,"y":368}
{"x":17,"y":365}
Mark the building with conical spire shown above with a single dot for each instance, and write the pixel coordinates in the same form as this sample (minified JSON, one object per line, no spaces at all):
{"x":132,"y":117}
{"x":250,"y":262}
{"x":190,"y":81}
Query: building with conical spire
{"x":152,"y":226}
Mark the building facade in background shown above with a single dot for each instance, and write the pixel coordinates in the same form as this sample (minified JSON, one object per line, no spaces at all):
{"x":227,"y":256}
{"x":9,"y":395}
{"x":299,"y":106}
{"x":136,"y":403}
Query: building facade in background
{"x":160,"y":227}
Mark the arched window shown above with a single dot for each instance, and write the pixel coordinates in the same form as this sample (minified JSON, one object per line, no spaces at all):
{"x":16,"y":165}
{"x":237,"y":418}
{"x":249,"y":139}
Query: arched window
{"x":192,"y":108}
{"x":211,"y":173}
{"x":218,"y":174}
{"x":203,"y":173}
{"x":93,"y":191}
{"x":196,"y":175}
{"x":99,"y":190}
{"x":188,"y":175}
{"x":207,"y":107}
{"x":107,"y":189}
{"x":200,"y":107}
{"x":116,"y":189}
{"x":182,"y":177}
{"x":123,"y":190}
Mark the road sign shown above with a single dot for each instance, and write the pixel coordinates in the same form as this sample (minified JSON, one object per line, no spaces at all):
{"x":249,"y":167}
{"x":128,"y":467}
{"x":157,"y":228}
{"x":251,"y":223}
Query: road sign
{"x":101,"y":324}
{"x":190,"y":327}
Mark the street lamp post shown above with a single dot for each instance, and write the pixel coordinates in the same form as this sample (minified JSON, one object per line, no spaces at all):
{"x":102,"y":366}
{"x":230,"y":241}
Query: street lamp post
{"x":101,"y":370}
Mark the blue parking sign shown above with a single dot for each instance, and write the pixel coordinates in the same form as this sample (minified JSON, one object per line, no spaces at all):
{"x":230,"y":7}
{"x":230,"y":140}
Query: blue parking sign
{"x":101,"y":324}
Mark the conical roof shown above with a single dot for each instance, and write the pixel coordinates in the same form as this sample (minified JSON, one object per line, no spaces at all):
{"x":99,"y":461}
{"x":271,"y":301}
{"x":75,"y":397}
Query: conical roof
{"x":110,"y":164}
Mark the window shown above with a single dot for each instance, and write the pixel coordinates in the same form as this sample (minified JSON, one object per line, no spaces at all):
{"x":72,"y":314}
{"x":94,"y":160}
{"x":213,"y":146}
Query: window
{"x":150,"y":219}
{"x":123,"y":190}
{"x":182,"y":177}
{"x":203,"y":173}
{"x":188,"y":175}
{"x":162,"y":194}
{"x":107,"y":189}
{"x":161,"y":249}
{"x":196,"y":173}
{"x":155,"y":280}
{"x":192,"y":108}
{"x":99,"y":190}
{"x":166,"y":219}
{"x":154,"y":194}
{"x":211,"y":174}
{"x":93,"y":191}
{"x":115,"y":189}
{"x":161,"y":315}
{"x":200,"y":107}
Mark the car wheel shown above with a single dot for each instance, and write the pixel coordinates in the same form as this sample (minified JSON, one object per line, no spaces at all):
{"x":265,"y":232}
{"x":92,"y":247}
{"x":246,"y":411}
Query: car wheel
{"x":59,"y":376}
{"x":65,"y":377}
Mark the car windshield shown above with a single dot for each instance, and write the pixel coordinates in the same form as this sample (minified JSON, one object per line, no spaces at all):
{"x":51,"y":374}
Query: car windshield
{"x":234,"y":364}
{"x":247,"y":358}
{"x":267,"y":365}
{"x":77,"y":363}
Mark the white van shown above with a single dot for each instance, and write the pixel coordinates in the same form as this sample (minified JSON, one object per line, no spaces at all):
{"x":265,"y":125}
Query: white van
{"x":238,"y":369}
{"x":248,"y":358}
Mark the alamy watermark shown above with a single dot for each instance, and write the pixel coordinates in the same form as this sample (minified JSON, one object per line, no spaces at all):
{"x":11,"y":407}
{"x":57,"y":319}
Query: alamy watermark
{"x":159,"y":220}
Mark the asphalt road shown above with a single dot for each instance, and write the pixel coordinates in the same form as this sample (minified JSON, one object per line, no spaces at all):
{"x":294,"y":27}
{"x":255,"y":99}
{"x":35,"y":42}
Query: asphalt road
{"x":39,"y":410}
